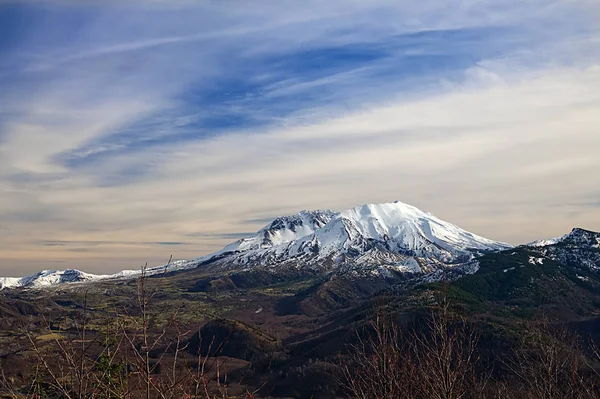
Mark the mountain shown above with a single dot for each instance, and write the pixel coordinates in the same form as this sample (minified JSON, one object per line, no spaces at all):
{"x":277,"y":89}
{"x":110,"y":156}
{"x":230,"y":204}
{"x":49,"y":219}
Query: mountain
{"x":373,"y":239}
{"x":51,"y":278}
{"x":580,"y":250}
{"x":576,"y":236}
{"x":562,"y":275}
{"x":46,"y":278}
{"x":395,"y":235}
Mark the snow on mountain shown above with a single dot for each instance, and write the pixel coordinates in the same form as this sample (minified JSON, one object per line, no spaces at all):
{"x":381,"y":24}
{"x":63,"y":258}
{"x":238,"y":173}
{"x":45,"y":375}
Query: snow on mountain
{"x":283,"y":230}
{"x":402,"y":228}
{"x":46,"y":278}
{"x":580,"y":249}
{"x":549,"y":241}
{"x":396,"y":236}
{"x":383,"y":234}
{"x":544,"y":243}
{"x":51,"y":278}
{"x":577,"y":235}
{"x":10,"y":282}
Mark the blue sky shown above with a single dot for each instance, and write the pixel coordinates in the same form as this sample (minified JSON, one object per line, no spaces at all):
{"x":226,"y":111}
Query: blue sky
{"x":133,"y":130}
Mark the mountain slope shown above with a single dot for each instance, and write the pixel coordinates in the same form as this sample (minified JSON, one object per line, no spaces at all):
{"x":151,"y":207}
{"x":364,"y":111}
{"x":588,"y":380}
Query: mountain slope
{"x":282,"y":230}
{"x":561,"y":274}
{"x":580,"y":249}
{"x":393,"y":234}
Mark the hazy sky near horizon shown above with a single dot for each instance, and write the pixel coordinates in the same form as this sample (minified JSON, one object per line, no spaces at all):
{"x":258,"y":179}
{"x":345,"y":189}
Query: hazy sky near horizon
{"x":133,"y":130}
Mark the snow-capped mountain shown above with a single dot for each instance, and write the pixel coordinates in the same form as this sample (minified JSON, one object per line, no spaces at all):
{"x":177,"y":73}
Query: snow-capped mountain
{"x":576,"y":236}
{"x":46,"y":278}
{"x":578,"y":249}
{"x":393,"y":234}
{"x":51,"y":278}
{"x":367,"y":238}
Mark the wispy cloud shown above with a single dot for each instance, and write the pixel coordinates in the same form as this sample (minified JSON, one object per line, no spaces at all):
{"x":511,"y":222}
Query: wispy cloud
{"x":128,"y":129}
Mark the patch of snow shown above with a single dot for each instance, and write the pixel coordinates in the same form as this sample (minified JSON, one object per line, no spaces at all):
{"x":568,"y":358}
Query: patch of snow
{"x":410,"y":265}
{"x":509,"y":269}
{"x":545,"y":243}
{"x":536,"y":261}
{"x":9,"y":282}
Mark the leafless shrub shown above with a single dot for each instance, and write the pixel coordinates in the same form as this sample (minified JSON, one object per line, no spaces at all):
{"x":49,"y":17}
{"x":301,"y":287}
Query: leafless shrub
{"x":75,"y":366}
{"x":446,"y":356}
{"x":128,"y":360}
{"x":550,"y":363}
{"x":438,"y":361}
{"x":378,"y":367}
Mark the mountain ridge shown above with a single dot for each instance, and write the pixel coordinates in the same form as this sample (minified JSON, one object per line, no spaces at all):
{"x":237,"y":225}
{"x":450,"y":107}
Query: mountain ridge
{"x":370,"y":239}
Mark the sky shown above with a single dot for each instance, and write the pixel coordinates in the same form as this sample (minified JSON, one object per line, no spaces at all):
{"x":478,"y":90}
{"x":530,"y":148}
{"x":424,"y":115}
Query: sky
{"x":135,"y":130}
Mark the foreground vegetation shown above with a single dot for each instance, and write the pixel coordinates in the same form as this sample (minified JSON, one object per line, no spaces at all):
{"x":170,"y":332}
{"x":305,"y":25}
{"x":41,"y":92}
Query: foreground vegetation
{"x":484,"y":336}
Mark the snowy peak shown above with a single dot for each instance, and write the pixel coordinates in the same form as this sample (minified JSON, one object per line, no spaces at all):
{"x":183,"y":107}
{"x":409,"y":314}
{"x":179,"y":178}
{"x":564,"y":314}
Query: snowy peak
{"x":45,"y":278}
{"x":51,"y":278}
{"x":411,"y":228}
{"x":290,"y":228}
{"x":403,"y":229}
{"x":582,"y":238}
{"x":580,"y":249}
{"x":577,"y":236}
{"x":368,"y":234}
{"x":283,"y":230}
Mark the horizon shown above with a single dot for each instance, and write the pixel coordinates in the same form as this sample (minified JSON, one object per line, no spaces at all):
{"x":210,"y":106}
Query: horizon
{"x":241,"y":236}
{"x":253,"y":234}
{"x":132,"y":132}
